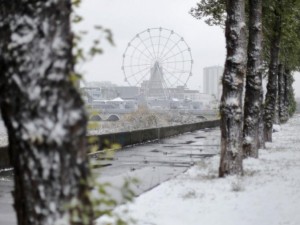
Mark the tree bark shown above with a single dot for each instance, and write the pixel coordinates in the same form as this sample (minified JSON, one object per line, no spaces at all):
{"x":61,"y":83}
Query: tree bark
{"x":290,"y":95}
{"x":286,"y":95}
{"x":253,"y":97}
{"x":43,"y":112}
{"x":272,"y":86}
{"x":281,"y":95}
{"x":233,"y":80}
{"x":261,"y":139}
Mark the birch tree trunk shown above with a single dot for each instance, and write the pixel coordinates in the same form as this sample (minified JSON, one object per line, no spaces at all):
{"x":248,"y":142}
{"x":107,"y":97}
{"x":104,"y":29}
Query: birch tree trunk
{"x":253,"y":94}
{"x":233,"y":79}
{"x":272,"y":86}
{"x":43,"y":113}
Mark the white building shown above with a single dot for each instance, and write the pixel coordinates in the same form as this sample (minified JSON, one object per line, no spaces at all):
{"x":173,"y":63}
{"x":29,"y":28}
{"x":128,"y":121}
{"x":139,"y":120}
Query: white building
{"x":193,"y":95}
{"x":212,"y":83}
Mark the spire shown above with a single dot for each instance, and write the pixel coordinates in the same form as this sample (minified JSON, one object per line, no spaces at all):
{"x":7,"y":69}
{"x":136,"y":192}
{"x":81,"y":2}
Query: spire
{"x":157,"y":87}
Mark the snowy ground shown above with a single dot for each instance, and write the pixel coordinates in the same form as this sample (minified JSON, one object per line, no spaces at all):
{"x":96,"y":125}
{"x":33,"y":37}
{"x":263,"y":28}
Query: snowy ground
{"x":268,"y":194}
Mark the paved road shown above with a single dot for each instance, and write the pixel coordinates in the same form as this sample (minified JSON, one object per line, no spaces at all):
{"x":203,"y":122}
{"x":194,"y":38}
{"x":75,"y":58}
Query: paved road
{"x":151,"y":163}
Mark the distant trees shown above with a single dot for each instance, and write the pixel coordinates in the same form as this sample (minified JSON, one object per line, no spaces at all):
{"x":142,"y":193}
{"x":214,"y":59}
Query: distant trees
{"x":272,"y":87}
{"x":273,"y":48}
{"x":43,"y":113}
{"x":281,"y":35}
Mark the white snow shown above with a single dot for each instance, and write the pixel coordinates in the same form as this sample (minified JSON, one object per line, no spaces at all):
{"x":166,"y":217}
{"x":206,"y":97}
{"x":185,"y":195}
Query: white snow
{"x":57,"y":134}
{"x":17,"y":80}
{"x":232,"y":101}
{"x":52,"y":206}
{"x":238,"y":57}
{"x":276,"y":127}
{"x":118,"y":99}
{"x":21,"y":38}
{"x":268,"y":193}
{"x":35,"y":93}
{"x":248,"y":140}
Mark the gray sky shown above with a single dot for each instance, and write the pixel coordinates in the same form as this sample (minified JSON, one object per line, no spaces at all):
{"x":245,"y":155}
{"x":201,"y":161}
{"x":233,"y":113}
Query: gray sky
{"x":126,"y":18}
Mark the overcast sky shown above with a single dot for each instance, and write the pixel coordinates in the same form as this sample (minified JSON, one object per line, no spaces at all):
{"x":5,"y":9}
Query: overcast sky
{"x":126,"y":18}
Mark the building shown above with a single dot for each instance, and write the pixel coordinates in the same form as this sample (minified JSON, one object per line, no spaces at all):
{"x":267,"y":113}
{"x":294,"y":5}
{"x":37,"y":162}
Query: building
{"x":193,"y":95}
{"x":212,"y":81}
{"x":110,"y":98}
{"x":91,"y":93}
{"x":127,"y":92}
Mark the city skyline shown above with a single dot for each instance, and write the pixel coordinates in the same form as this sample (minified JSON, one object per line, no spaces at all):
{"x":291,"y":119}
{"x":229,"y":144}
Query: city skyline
{"x":127,"y":18}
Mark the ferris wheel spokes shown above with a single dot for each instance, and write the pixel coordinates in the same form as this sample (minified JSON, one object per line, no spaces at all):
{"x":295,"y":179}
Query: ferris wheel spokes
{"x":175,"y":55}
{"x":138,"y":72}
{"x":177,"y":78}
{"x":166,"y":43}
{"x":149,"y":57}
{"x":155,"y":56}
{"x":146,"y":47}
{"x":161,"y":58}
{"x":159,"y":36}
{"x":176,"y":44}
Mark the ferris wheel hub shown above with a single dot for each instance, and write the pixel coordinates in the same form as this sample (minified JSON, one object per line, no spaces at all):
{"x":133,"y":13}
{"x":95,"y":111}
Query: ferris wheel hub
{"x":158,"y":59}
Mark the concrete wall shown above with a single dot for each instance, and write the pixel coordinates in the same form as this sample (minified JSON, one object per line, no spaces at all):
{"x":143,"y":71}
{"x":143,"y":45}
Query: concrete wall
{"x":122,"y":139}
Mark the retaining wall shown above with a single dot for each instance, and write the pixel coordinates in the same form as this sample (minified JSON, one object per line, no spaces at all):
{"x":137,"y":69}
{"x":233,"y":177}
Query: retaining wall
{"x":122,"y":139}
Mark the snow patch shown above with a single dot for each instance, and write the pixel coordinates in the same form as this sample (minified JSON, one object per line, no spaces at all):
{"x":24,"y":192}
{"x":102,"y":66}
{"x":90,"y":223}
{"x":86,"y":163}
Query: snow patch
{"x":35,"y":93}
{"x":232,"y":101}
{"x":248,"y":140}
{"x":276,"y":128}
{"x":58,"y":134}
{"x":238,"y":57}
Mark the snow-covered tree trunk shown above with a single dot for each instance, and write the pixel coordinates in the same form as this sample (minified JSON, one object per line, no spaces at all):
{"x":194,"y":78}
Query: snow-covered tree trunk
{"x":233,"y":79}
{"x":276,"y":113}
{"x":261,"y":139}
{"x":281,"y":94}
{"x":43,"y":112}
{"x":290,"y":95}
{"x":285,"y":95}
{"x":253,"y":100}
{"x":271,"y":96}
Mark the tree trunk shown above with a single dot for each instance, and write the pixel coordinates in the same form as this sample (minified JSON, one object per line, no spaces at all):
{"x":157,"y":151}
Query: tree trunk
{"x":276,"y":111}
{"x":290,"y":102}
{"x":261,"y":139}
{"x":286,"y":94}
{"x":43,"y":112}
{"x":233,"y":80}
{"x":253,"y":100}
{"x":281,"y":95}
{"x":270,"y":101}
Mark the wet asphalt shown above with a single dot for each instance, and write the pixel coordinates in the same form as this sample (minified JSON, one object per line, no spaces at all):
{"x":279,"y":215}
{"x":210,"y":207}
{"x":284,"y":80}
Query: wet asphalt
{"x":150,"y":163}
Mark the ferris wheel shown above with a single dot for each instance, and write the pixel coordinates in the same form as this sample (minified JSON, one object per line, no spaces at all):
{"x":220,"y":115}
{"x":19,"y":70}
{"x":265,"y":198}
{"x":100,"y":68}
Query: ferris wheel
{"x":157,"y":58}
